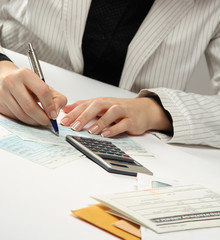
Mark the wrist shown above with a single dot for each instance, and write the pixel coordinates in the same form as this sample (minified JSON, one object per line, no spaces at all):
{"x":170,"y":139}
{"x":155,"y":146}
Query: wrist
{"x":160,"y":120}
{"x":157,"y":117}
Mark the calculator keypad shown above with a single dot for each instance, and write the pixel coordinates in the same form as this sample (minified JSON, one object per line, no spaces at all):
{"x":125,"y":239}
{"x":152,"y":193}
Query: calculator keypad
{"x":105,"y":149}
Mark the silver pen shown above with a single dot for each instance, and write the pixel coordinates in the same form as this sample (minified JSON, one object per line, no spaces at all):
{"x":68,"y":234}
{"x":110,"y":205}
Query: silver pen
{"x":35,"y":65}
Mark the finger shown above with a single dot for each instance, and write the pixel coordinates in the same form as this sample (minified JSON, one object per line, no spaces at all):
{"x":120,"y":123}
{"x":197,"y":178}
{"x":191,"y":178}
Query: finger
{"x":73,"y":115}
{"x":69,"y":108}
{"x":90,"y":113}
{"x":114,"y":113}
{"x":41,"y":90}
{"x":13,"y":110}
{"x":29,"y":106}
{"x":5,"y":111}
{"x":120,"y":127}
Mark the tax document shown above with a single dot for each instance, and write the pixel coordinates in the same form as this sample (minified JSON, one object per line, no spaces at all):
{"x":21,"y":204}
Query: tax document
{"x":168,"y":209}
{"x":45,"y":135}
{"x":40,"y":145}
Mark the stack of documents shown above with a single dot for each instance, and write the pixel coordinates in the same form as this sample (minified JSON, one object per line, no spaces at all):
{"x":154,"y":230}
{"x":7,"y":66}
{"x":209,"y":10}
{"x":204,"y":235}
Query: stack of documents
{"x":165,"y":209}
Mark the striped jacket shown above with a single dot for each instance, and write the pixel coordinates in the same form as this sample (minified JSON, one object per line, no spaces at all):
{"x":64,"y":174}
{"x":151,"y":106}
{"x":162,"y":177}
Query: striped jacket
{"x":161,"y":57}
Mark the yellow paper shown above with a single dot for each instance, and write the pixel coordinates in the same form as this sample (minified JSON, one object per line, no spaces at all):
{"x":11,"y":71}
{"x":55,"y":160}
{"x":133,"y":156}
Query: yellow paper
{"x":97,"y":215}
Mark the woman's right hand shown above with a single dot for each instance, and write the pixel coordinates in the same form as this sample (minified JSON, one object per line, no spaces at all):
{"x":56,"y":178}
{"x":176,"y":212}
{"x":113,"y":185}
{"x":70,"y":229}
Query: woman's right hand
{"x":20,"y":92}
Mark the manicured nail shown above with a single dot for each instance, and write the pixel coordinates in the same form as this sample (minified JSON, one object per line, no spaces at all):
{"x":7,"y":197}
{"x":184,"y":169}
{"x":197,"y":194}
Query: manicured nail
{"x":105,"y":133}
{"x":93,"y":129}
{"x":76,"y":125}
{"x":53,"y":114}
{"x":64,"y":121}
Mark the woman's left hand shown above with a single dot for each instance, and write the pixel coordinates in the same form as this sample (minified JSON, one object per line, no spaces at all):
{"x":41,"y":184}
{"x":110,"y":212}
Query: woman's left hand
{"x":116,"y":115}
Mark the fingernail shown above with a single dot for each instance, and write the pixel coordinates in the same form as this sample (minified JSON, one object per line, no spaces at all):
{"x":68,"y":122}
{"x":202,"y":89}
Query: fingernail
{"x":105,"y":133}
{"x":53,"y":114}
{"x":93,"y":129}
{"x":64,"y":121}
{"x":76,"y":125}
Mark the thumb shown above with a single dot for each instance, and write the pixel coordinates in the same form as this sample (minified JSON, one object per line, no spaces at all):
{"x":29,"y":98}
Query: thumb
{"x":60,"y":101}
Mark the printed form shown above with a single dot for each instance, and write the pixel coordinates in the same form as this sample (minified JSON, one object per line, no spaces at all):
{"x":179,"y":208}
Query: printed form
{"x":168,"y":209}
{"x":42,"y":146}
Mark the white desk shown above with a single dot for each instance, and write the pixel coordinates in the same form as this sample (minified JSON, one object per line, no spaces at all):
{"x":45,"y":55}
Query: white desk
{"x":35,"y":202}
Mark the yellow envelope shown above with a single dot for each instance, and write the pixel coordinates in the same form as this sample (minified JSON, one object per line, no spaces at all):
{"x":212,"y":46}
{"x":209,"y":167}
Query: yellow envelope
{"x":97,"y":215}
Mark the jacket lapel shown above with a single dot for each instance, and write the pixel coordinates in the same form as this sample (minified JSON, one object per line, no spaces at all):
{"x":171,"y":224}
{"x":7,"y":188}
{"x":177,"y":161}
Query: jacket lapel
{"x":162,"y":18}
{"x":74,"y":15}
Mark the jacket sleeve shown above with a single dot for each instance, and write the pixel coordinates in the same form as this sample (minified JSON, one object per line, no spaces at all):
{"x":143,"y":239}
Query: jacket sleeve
{"x":12,"y":30}
{"x":3,"y":4}
{"x":1,"y":26}
{"x":196,"y":118}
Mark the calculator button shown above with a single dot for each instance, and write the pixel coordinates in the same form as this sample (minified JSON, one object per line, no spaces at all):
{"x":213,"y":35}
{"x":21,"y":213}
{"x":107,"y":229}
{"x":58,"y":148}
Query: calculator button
{"x":125,"y":155}
{"x":102,"y":151}
{"x":110,"y":152}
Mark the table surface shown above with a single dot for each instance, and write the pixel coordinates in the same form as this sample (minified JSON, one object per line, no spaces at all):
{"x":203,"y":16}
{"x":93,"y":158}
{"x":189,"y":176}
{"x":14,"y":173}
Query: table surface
{"x":36,"y":202}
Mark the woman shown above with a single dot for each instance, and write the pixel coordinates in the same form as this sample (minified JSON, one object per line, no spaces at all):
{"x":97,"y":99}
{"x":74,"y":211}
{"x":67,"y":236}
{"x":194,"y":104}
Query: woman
{"x":153,"y":47}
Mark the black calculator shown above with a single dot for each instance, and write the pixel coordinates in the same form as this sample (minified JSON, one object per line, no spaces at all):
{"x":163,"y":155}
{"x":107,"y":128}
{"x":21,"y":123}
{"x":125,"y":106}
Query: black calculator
{"x":107,"y":155}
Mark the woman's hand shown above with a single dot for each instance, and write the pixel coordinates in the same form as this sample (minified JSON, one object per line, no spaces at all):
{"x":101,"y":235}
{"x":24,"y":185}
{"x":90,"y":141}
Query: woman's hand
{"x":117,"y":115}
{"x":20,"y":92}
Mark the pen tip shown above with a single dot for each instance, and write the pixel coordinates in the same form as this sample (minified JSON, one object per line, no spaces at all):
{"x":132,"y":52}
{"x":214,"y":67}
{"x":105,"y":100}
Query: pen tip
{"x":57,"y":133}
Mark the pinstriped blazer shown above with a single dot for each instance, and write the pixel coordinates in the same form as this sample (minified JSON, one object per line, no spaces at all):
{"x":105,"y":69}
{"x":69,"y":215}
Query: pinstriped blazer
{"x":161,"y":57}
